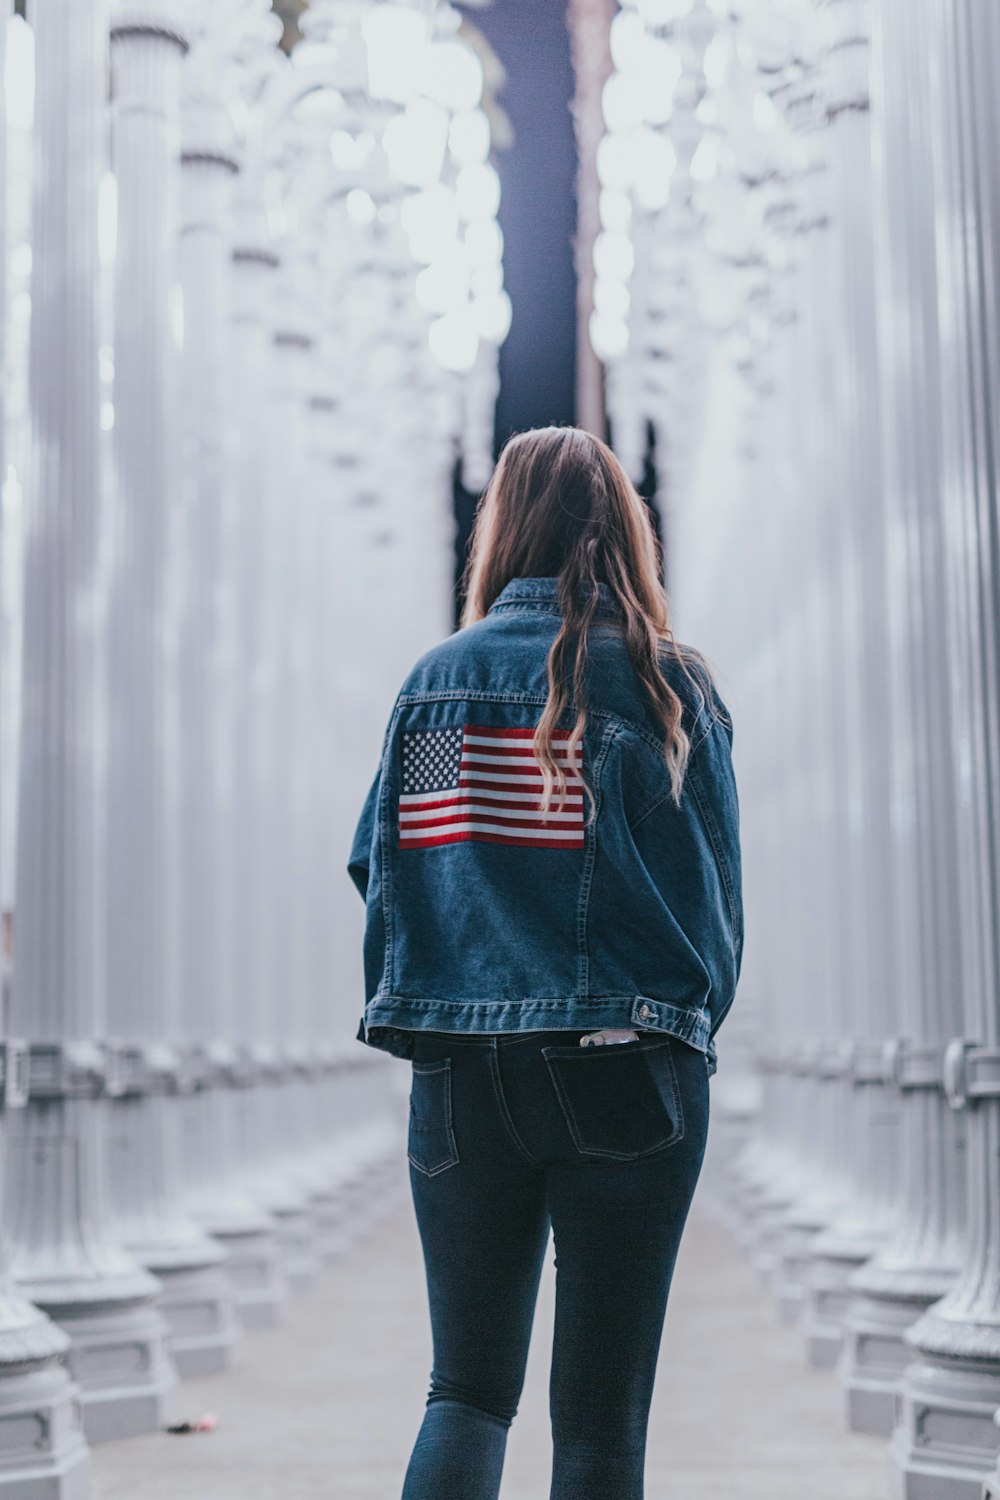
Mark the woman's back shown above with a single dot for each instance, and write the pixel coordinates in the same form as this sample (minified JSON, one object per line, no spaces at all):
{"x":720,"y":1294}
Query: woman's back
{"x":611,"y":912}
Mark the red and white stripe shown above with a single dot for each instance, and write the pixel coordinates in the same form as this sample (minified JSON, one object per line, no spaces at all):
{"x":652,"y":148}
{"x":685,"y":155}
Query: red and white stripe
{"x":497,"y":798}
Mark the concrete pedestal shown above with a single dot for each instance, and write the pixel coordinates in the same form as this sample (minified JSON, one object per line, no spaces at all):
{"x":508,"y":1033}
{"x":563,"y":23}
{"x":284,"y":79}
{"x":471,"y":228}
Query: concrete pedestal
{"x":43,"y":1455}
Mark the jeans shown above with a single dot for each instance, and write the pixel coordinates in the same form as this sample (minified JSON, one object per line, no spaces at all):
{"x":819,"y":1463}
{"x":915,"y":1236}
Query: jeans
{"x":509,"y":1135}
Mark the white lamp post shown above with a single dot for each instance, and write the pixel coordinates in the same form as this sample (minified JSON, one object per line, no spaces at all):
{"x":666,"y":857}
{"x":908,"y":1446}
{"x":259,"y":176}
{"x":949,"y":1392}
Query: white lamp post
{"x":58,"y":1224}
{"x":208,"y":552}
{"x":919,"y":1263}
{"x":945,"y":1440}
{"x":148,"y":46}
{"x":253,"y":268}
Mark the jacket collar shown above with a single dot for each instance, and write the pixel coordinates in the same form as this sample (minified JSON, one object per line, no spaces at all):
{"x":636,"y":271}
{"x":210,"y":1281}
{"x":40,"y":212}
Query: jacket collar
{"x":541,"y":594}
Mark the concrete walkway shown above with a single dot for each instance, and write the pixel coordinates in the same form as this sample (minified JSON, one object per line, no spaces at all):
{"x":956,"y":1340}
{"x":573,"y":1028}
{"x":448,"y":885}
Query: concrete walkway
{"x":327,"y":1405}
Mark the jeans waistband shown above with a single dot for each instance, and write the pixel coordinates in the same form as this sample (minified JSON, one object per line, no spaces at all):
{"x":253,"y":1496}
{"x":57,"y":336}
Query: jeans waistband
{"x":511,"y":1038}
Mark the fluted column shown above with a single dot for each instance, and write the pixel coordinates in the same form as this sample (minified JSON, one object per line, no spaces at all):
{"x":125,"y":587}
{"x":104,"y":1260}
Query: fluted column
{"x":287,"y":507}
{"x":946,"y":1441}
{"x":919,"y":1262}
{"x":57,"y":1224}
{"x":859,"y":655}
{"x":37,"y":1397}
{"x":148,"y":45}
{"x":253,"y":269}
{"x":359,"y":1148}
{"x":801,"y":677}
{"x":307,"y":794}
{"x":327,"y":954}
{"x":256,"y":726}
{"x":205,"y":558}
{"x":340,"y":1171}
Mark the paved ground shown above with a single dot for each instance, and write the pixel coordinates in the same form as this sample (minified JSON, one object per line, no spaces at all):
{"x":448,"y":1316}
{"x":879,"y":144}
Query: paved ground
{"x":328,"y":1404}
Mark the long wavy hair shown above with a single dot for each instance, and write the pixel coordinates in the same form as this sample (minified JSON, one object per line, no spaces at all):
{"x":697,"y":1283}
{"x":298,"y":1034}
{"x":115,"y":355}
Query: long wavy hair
{"x":560,"y":505}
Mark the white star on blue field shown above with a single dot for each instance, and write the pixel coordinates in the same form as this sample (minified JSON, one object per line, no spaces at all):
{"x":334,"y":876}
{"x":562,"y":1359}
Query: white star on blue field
{"x":432,"y":759}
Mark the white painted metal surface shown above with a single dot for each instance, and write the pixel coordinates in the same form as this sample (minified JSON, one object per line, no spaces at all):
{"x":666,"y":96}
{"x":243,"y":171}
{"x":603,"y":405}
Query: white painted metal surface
{"x":58,"y":1224}
{"x":148,"y":45}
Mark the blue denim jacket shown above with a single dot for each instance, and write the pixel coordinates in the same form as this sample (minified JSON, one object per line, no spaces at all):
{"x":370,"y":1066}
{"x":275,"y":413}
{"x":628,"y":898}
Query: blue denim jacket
{"x":482,"y":918}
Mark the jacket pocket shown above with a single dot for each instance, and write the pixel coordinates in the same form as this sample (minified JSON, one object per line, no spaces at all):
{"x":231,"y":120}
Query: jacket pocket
{"x":620,"y":1102}
{"x":431,"y":1142}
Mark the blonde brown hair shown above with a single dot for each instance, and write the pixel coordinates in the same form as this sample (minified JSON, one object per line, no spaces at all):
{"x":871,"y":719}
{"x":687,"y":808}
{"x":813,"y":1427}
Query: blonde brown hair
{"x":560,"y":505}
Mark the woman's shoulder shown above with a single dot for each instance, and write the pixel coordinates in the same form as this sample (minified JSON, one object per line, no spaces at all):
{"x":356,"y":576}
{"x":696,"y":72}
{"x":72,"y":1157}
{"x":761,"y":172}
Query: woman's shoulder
{"x":686,"y":669}
{"x":692,"y":678}
{"x":446,"y":665}
{"x":614,"y":684}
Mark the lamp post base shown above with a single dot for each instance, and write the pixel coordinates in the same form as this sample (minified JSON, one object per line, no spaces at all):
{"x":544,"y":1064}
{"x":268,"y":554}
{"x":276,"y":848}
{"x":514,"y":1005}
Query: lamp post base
{"x":43,"y":1454}
{"x":887,"y":1300}
{"x":946,"y":1442}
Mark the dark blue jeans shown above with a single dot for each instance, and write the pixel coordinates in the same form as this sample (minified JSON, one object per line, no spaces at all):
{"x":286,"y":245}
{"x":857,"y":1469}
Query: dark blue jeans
{"x":509,"y":1135}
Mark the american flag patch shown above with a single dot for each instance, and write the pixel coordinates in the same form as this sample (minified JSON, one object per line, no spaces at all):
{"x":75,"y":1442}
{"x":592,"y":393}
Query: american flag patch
{"x":483,"y":783}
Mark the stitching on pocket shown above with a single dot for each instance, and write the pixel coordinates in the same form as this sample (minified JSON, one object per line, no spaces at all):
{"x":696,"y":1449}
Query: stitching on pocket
{"x":427,"y":1070}
{"x":573,"y":1124}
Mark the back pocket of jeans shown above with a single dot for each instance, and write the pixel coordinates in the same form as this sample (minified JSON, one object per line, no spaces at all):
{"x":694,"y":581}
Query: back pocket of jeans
{"x":431,"y":1144}
{"x":619,"y":1101}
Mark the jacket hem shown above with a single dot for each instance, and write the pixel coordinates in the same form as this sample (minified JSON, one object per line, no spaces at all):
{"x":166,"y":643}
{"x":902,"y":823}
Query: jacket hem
{"x":393,"y":1014}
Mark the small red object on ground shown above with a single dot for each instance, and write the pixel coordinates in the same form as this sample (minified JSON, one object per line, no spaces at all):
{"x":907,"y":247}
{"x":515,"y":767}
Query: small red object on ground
{"x":208,"y":1423}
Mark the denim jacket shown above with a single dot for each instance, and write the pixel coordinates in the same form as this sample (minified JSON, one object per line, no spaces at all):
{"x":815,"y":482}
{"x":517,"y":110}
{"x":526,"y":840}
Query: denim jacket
{"x":621,"y":909}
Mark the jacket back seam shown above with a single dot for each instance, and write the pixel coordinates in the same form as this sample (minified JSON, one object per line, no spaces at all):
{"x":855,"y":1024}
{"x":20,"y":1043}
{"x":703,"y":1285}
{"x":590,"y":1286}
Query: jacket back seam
{"x":478,"y":695}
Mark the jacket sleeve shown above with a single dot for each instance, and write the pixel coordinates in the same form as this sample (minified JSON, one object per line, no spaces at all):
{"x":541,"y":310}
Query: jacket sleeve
{"x":359,"y":862}
{"x":712,"y":786}
{"x":360,"y":859}
{"x":691,"y":857}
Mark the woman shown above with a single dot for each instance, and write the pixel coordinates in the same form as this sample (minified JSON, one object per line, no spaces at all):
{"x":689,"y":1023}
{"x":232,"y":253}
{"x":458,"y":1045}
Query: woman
{"x":550,"y":858}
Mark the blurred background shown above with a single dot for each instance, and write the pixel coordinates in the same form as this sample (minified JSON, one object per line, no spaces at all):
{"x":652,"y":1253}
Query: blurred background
{"x":276,"y":283}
